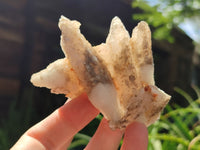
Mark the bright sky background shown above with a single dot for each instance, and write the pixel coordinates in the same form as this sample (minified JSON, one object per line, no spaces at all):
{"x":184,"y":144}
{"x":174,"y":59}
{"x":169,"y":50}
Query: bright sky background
{"x":191,"y":26}
{"x":192,"y":29}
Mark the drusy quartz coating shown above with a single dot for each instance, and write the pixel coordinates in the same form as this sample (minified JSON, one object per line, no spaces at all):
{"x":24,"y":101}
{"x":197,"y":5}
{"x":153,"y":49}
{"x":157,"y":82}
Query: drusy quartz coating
{"x":118,"y":75}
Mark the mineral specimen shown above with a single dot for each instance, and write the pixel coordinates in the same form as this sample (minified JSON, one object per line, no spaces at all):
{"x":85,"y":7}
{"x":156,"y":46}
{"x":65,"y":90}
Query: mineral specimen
{"x":118,"y":75}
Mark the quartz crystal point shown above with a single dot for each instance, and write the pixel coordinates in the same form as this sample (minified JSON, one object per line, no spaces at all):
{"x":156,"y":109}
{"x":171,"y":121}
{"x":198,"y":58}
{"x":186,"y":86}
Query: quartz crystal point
{"x":118,"y":75}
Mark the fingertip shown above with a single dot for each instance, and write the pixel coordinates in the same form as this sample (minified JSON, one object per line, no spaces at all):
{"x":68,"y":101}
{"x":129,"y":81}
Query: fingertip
{"x":78,"y":111}
{"x":105,"y":138}
{"x":135,"y":137}
{"x":139,"y":126}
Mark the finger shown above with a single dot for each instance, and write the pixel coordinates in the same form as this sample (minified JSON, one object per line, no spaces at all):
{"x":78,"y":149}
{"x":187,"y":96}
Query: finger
{"x":105,"y":138}
{"x":28,"y":143}
{"x":135,"y":137}
{"x":66,"y":145}
{"x":63,"y":124}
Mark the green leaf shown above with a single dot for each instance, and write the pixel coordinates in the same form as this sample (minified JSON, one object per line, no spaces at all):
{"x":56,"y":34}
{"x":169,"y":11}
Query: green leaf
{"x":186,"y":96}
{"x":77,"y":143}
{"x":171,"y":138}
{"x":82,"y":136}
{"x":181,"y":126}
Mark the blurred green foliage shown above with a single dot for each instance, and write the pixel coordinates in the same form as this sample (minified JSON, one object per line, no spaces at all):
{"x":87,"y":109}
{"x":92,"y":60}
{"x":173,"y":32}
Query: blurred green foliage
{"x":164,"y":15}
{"x":178,"y":128}
{"x":20,"y":118}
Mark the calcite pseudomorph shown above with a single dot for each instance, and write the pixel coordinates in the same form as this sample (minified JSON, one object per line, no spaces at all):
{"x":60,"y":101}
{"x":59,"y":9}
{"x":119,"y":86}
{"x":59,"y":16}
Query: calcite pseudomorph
{"x":118,"y":75}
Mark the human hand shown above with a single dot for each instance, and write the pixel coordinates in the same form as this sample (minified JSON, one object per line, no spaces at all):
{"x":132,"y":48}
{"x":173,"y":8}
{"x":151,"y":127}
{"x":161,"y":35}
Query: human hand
{"x":57,"y":130}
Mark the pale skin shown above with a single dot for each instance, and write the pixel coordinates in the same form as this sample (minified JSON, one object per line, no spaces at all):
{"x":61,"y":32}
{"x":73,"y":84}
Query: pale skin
{"x":57,"y":130}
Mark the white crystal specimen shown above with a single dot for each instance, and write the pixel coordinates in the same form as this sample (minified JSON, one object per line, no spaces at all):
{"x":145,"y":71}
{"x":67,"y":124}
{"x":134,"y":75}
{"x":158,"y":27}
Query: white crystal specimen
{"x":118,"y":75}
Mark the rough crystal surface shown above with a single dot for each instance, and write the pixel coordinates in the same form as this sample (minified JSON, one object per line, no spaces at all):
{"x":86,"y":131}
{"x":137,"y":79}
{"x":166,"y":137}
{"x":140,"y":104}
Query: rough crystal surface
{"x":117,"y":75}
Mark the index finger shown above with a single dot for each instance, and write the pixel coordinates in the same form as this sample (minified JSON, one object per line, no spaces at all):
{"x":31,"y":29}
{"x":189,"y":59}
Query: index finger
{"x":135,"y":137}
{"x":62,"y":124}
